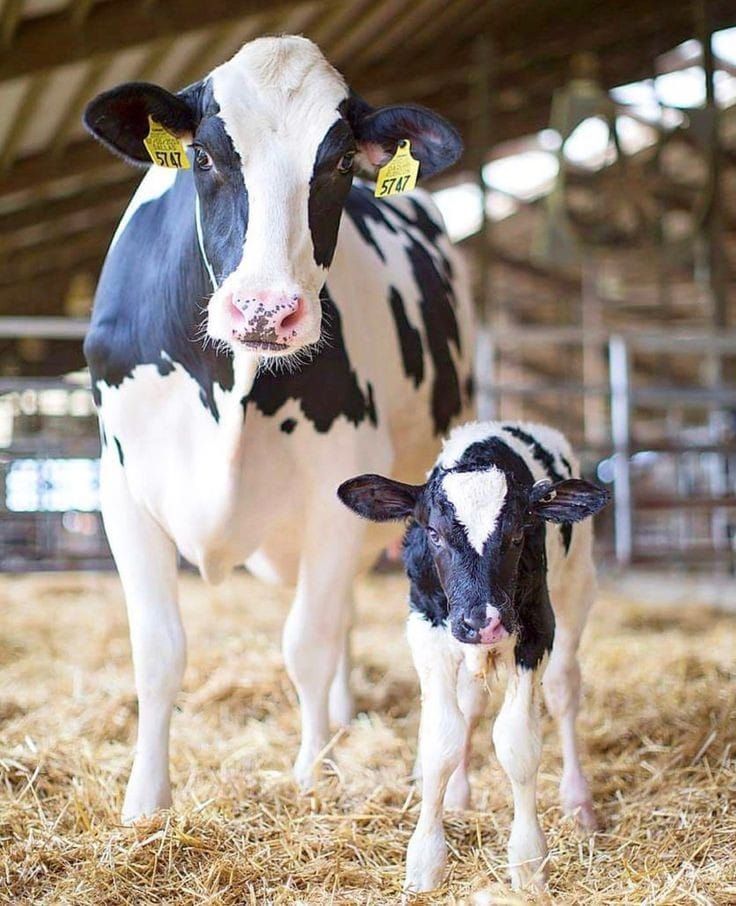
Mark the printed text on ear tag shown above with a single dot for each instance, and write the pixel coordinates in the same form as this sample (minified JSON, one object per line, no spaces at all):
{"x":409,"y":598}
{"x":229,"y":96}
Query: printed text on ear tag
{"x":399,"y":174}
{"x":164,"y":148}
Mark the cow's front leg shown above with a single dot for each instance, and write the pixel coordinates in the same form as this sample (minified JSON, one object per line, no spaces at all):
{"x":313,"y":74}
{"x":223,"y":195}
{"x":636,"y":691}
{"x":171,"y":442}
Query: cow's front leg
{"x":441,"y":739}
{"x":317,"y":625}
{"x":518,"y":742}
{"x":146,"y":560}
{"x":341,"y":704}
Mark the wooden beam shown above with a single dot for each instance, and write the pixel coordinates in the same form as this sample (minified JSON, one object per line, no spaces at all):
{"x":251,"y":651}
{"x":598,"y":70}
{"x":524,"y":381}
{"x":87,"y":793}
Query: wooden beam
{"x":47,"y":211}
{"x":52,"y":256}
{"x":9,"y":20}
{"x":101,"y":217}
{"x":26,"y":110}
{"x":113,"y":26}
{"x":81,"y":158}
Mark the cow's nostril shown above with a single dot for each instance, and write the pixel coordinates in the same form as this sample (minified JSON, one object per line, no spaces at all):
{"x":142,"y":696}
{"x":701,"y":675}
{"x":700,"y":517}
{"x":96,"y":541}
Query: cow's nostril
{"x":470,"y":630}
{"x":293,"y":316}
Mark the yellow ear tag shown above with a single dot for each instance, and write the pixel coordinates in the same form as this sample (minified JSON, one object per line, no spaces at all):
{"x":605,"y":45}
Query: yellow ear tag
{"x":164,"y":148}
{"x":399,"y":174}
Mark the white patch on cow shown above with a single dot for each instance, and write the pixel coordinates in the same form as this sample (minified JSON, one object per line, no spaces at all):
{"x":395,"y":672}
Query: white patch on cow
{"x":278,"y":98}
{"x":477,"y":498}
{"x":154,"y":184}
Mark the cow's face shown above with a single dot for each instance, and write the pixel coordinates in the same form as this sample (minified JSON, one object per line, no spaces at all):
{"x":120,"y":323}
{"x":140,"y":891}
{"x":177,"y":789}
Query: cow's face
{"x":479,"y":526}
{"x":274,"y":136}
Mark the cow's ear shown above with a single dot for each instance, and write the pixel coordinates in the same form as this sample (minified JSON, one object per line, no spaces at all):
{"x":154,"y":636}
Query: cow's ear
{"x":435,"y":142}
{"x":119,"y":118}
{"x":571,"y":500}
{"x":379,"y":499}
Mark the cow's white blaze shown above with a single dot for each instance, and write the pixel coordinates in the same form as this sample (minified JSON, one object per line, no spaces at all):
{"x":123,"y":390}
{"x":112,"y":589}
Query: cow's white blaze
{"x":278,"y":98}
{"x":477,"y":498}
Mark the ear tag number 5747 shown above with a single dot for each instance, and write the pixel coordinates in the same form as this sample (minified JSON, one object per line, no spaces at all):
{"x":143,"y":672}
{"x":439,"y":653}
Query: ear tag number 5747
{"x":164,"y":148}
{"x":399,"y":174}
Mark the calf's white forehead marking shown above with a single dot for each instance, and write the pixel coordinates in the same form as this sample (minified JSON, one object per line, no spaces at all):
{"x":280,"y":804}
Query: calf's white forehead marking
{"x":477,"y":498}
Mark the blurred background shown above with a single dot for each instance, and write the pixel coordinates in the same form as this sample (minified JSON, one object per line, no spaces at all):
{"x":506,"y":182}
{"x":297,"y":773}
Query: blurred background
{"x":596,"y":202}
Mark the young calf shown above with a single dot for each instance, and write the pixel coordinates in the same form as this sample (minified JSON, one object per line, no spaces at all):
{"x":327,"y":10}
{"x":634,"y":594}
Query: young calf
{"x":489,"y":581}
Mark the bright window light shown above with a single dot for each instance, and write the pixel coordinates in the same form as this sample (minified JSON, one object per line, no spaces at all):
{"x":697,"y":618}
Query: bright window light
{"x":724,"y":45}
{"x":460,"y":207}
{"x":525,"y":176}
{"x":590,"y":144}
{"x":633,"y":135}
{"x":52,"y":485}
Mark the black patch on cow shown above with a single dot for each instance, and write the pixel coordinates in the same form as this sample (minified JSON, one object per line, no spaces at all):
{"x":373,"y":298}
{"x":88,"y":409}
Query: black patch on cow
{"x":469,"y":387}
{"x":103,"y":435}
{"x":119,"y":447}
{"x":288,"y":425}
{"x":433,"y":280}
{"x":425,"y":594}
{"x":328,"y":190}
{"x":362,"y":208}
{"x":536,"y":617}
{"x":410,"y":341}
{"x":148,"y":305}
{"x":325,"y":388}
{"x":566,"y":463}
{"x":547,"y":461}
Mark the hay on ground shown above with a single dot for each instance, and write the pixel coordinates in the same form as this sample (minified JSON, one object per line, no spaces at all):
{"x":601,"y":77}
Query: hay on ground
{"x":658,"y":724}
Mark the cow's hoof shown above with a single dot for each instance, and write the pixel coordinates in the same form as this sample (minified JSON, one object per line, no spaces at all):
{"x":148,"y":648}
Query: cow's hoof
{"x":426,"y":859}
{"x":307,"y":769}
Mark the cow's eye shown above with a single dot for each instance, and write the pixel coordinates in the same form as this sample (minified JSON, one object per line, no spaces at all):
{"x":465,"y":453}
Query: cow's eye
{"x":345,"y":164}
{"x":202,"y":158}
{"x":434,"y":536}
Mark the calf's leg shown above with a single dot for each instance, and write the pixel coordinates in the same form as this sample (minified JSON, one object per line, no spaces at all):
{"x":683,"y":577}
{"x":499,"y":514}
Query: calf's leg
{"x":472,"y":697}
{"x":562,"y":696}
{"x":146,"y":560}
{"x":341,"y":705}
{"x":518,"y":742}
{"x":441,"y":737}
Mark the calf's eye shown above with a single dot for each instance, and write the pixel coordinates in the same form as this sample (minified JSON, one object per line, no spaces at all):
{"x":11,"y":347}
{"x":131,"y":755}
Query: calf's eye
{"x":434,"y":536}
{"x":345,"y":164}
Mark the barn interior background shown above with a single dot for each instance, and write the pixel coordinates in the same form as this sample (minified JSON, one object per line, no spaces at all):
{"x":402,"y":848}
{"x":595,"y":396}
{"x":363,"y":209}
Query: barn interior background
{"x":597,"y":204}
{"x":597,"y":200}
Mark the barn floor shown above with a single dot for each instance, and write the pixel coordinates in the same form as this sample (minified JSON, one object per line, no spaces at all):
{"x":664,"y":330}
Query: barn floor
{"x":660,"y":702}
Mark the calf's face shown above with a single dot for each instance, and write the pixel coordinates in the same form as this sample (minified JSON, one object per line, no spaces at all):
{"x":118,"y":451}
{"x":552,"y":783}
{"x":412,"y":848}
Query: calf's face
{"x":481,"y":527}
{"x":275,"y":137}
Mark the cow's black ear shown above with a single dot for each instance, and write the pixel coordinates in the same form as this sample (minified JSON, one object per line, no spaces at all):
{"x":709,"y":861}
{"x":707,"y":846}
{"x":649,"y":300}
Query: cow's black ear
{"x":379,"y":499}
{"x":435,"y":142}
{"x":119,"y":118}
{"x":571,"y":500}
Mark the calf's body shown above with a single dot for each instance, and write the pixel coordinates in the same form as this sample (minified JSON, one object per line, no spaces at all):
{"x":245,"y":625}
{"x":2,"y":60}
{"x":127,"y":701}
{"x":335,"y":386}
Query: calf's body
{"x":500,"y":563}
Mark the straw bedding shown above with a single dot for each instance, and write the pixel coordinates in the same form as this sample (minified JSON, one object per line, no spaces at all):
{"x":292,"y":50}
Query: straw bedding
{"x":658,"y":724}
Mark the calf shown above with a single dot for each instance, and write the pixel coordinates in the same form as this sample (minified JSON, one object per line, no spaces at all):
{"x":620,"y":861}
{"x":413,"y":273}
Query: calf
{"x":237,"y":383}
{"x":490,"y":582}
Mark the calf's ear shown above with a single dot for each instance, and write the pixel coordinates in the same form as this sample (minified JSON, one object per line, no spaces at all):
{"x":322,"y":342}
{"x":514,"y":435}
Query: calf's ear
{"x":379,"y":499}
{"x":435,"y":142}
{"x":571,"y":500}
{"x":119,"y":118}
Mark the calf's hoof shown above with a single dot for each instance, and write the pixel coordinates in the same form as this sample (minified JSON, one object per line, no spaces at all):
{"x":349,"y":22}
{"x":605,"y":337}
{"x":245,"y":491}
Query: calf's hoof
{"x":585,"y":817}
{"x":528,"y":860}
{"x":141,"y":803}
{"x":342,"y":706}
{"x":426,"y":859}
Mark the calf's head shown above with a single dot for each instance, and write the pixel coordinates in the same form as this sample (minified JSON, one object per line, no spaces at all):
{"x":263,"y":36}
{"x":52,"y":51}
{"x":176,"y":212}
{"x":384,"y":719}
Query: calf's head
{"x":484,"y":533}
{"x":274,"y":138}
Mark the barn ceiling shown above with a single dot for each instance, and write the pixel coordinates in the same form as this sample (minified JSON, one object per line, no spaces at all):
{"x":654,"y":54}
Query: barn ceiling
{"x":61,"y":194}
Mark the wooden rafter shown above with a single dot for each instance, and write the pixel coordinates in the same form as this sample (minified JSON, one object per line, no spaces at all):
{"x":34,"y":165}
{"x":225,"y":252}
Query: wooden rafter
{"x":9,"y":20}
{"x":26,"y":110}
{"x":110,"y":27}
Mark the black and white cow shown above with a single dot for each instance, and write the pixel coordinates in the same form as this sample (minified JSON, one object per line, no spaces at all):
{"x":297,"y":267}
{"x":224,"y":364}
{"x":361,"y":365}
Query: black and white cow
{"x":490,"y":580}
{"x":236,"y":387}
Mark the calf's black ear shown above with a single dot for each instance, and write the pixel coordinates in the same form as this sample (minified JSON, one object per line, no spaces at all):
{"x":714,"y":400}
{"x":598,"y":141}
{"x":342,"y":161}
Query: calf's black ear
{"x":379,"y":499}
{"x":119,"y":118}
{"x":435,"y":142}
{"x":571,"y":500}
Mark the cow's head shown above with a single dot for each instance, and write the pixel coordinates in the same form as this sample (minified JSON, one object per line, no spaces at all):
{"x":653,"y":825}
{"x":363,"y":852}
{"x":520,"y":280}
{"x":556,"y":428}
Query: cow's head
{"x":483,"y":531}
{"x":275,"y":137}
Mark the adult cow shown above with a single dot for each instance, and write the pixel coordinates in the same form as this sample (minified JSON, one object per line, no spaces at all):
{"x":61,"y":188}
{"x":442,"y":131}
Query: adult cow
{"x":236,"y":389}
